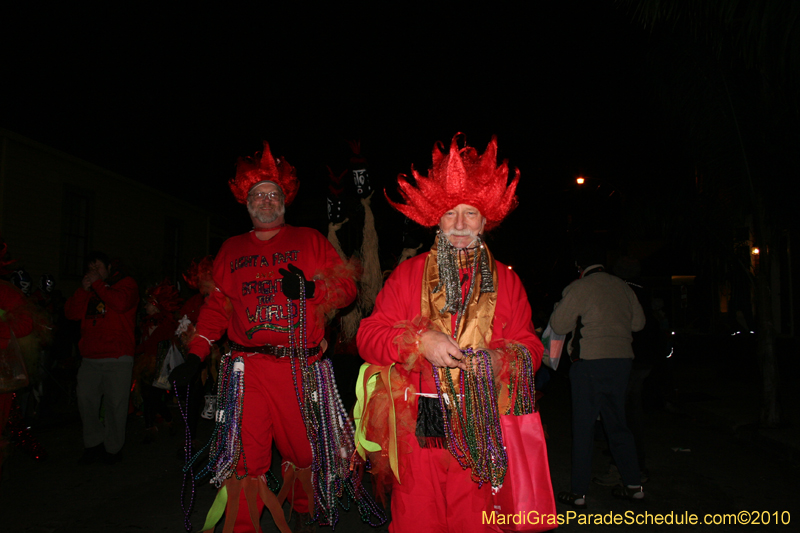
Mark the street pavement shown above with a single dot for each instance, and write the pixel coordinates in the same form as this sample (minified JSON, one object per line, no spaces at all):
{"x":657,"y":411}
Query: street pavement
{"x":705,"y":450}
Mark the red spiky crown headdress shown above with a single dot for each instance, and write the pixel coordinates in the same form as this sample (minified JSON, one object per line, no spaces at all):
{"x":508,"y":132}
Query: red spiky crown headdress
{"x":199,"y":275}
{"x":459,"y":176}
{"x":250,"y":171}
{"x":164,"y":296}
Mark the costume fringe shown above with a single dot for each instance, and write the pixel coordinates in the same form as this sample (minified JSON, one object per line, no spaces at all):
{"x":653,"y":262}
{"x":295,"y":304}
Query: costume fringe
{"x":334,"y":239}
{"x":334,"y":295}
{"x":372,"y":279}
{"x":376,"y":423}
{"x":408,"y":343}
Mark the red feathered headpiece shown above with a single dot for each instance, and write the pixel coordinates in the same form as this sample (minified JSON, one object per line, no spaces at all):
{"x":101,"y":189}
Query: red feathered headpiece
{"x":164,"y":296}
{"x":199,"y":275}
{"x":459,"y":177}
{"x":250,"y":171}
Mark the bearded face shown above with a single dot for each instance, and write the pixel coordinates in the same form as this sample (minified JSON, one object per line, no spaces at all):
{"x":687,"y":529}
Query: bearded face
{"x":462,"y":225}
{"x":265,"y":203}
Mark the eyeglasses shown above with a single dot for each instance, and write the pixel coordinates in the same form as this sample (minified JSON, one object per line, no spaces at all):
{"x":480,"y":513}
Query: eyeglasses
{"x":272,"y":195}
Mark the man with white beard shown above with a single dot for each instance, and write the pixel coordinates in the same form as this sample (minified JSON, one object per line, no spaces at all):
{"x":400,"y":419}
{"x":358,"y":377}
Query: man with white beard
{"x":434,"y":310}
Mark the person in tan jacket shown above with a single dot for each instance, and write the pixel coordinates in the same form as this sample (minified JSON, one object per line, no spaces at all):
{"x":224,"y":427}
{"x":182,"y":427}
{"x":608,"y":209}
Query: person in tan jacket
{"x":601,"y":311}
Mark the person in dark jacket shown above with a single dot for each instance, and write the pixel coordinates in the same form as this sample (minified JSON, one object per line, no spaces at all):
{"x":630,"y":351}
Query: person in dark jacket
{"x":106,"y":306}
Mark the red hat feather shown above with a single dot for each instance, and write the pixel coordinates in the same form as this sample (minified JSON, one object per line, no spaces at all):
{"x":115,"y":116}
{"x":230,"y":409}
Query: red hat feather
{"x":459,"y":176}
{"x":199,"y":275}
{"x":250,"y":171}
{"x":164,"y":296}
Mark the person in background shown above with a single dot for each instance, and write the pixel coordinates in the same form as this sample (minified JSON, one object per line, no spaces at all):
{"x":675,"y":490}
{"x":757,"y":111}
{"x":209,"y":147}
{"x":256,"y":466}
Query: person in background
{"x":601,"y":311}
{"x":106,"y":306}
{"x":158,"y":331}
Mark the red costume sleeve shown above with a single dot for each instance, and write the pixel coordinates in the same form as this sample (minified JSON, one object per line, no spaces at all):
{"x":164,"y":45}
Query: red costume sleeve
{"x":512,"y":322}
{"x":211,"y":324}
{"x":334,"y":284}
{"x":387,"y":334}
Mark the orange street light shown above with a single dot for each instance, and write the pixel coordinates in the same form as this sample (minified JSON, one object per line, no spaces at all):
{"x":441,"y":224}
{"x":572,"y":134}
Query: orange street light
{"x":580,"y":180}
{"x":755,"y":251}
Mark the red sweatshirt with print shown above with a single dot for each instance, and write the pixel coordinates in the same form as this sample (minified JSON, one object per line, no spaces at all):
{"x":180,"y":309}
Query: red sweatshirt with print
{"x":248,"y":301}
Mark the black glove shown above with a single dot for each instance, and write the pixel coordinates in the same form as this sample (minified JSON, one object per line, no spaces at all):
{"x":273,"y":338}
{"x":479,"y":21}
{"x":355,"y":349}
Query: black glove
{"x":292,"y":280}
{"x":182,"y":374}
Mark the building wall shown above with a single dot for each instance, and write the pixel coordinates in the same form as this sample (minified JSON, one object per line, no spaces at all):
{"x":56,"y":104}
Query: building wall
{"x":154,"y":234}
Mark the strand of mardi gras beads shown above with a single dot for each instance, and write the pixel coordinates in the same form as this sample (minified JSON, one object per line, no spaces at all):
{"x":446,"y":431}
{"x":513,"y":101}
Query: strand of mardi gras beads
{"x":329,"y":430}
{"x":472,"y":421}
{"x":216,"y":444}
{"x":187,"y":450}
{"x":524,"y":380}
{"x":225,"y":446}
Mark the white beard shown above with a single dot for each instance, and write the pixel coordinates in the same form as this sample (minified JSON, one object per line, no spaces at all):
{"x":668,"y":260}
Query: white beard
{"x":266,"y":217}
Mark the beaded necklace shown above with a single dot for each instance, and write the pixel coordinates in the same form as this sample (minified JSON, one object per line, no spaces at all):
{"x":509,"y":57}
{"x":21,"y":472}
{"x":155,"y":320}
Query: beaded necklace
{"x":472,"y":420}
{"x":187,"y":473}
{"x":225,"y":446}
{"x":522,"y":385}
{"x":330,"y":433}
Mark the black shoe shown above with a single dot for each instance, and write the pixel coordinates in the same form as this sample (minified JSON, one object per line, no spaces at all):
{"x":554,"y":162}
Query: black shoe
{"x":112,"y":458}
{"x":91,"y":455}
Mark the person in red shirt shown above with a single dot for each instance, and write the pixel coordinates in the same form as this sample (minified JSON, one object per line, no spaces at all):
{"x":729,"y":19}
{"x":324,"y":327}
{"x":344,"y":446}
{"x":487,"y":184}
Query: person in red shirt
{"x":258,"y":276}
{"x":106,"y":306}
{"x":432,"y":308}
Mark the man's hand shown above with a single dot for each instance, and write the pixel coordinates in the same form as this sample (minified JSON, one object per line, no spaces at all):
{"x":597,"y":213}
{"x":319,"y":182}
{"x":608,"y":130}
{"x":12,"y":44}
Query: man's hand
{"x":89,"y":278}
{"x":441,"y":350}
{"x":182,"y":374}
{"x":292,"y":280}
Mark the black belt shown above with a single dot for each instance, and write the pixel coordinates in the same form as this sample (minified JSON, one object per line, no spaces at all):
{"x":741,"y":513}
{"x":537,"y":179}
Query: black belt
{"x":276,"y":351}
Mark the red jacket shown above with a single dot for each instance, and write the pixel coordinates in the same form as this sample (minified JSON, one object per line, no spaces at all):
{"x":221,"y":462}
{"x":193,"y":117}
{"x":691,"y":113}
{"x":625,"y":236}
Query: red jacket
{"x":108,"y":316}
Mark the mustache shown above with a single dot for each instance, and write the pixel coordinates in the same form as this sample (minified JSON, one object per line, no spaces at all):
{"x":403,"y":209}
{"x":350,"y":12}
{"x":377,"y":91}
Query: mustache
{"x":460,"y":233}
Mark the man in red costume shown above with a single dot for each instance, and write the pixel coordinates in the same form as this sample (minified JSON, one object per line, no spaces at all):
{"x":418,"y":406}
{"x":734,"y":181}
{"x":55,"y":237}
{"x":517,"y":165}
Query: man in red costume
{"x":106,"y":306}
{"x":457,"y":296}
{"x":255,"y":274}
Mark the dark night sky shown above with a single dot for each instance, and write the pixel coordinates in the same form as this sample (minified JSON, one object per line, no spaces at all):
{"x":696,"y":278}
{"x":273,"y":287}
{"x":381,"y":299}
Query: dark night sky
{"x":172,"y":95}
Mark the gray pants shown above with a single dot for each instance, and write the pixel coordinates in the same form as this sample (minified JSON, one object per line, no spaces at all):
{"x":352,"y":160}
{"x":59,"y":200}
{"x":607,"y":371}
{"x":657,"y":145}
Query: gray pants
{"x":105,"y":382}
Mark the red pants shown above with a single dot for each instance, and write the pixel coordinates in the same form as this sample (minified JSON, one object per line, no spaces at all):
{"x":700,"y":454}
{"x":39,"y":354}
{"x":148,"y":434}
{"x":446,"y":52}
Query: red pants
{"x":437,"y":495}
{"x":271,"y":412}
